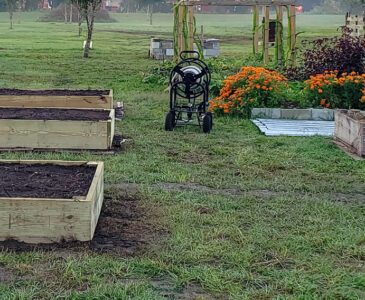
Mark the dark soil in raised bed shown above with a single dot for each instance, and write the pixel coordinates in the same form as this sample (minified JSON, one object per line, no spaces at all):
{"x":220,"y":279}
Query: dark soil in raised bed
{"x":15,"y":92}
{"x":54,"y":114}
{"x":44,"y":181}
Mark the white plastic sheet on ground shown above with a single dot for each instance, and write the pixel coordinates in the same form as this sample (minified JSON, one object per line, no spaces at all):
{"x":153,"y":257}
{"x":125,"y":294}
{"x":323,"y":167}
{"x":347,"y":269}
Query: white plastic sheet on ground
{"x":276,"y":127}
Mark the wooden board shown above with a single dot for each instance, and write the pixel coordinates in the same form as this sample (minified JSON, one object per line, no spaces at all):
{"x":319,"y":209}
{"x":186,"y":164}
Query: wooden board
{"x":42,"y":220}
{"x":350,"y":132}
{"x":92,"y":135}
{"x":29,"y":101}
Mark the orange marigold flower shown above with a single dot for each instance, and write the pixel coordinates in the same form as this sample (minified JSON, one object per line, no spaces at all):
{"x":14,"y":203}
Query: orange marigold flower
{"x":320,"y":91}
{"x":323,"y":101}
{"x":251,"y":100}
{"x":327,"y":105}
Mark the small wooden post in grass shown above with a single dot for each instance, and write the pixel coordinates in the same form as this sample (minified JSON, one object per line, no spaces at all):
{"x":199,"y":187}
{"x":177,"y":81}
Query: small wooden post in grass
{"x":255,"y":26}
{"x":266,"y":40}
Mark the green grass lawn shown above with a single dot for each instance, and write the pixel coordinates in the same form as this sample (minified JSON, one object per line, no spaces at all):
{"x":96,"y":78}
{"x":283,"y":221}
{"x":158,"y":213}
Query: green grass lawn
{"x":242,"y":216}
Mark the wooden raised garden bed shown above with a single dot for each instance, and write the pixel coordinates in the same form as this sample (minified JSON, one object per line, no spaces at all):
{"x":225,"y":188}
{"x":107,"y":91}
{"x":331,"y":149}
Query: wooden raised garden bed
{"x":51,"y":128}
{"x":50,"y":201}
{"x":350,"y":130}
{"x":90,"y":99}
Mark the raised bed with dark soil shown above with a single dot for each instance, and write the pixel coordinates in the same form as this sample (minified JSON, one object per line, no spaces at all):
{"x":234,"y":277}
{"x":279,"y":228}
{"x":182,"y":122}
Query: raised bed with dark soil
{"x":45,"y":181}
{"x":50,"y":201}
{"x":16,"y":92}
{"x":54,"y":114}
{"x":126,"y":226}
{"x":88,"y":99}
{"x":56,"y":128}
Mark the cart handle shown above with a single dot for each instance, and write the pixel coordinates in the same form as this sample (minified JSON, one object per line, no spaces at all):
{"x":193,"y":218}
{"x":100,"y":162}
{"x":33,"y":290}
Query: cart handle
{"x":183,"y":53}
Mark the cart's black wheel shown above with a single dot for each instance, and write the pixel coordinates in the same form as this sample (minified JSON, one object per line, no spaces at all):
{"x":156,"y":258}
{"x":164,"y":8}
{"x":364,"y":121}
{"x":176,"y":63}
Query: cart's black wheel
{"x":170,"y":121}
{"x":207,"y":122}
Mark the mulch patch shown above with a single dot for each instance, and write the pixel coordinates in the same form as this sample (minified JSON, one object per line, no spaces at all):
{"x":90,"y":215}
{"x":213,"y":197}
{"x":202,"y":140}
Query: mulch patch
{"x":44,"y":181}
{"x":16,"y":92}
{"x":126,"y":227}
{"x":54,"y":114}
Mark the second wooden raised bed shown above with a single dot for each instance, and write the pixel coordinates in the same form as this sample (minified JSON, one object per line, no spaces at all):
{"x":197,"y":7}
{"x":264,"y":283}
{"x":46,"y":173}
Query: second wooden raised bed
{"x":90,"y":99}
{"x":56,"y":128}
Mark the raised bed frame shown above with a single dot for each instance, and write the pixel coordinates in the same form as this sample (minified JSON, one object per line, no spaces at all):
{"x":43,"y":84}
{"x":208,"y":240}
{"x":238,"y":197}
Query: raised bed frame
{"x":42,"y":220}
{"x":59,"y":101}
{"x":350,"y":131}
{"x":57,"y":134}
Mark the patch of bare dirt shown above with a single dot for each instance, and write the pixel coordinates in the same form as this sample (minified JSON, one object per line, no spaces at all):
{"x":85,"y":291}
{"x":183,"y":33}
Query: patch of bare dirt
{"x":192,"y":292}
{"x":6,"y":276}
{"x":167,"y":289}
{"x":127,"y":227}
{"x":189,"y":158}
{"x":195,"y":187}
{"x":350,"y":198}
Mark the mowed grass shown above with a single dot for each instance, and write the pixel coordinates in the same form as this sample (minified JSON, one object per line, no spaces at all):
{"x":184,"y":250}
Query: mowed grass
{"x":248,"y":217}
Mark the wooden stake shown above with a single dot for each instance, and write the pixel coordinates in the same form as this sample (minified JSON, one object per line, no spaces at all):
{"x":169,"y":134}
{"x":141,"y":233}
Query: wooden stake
{"x":279,"y":32}
{"x":293,"y":31}
{"x":266,"y":40}
{"x":181,"y":40}
{"x":256,"y":33}
{"x":191,"y":28}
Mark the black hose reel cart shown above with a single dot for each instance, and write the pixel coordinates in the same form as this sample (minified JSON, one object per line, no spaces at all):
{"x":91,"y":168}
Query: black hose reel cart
{"x":189,"y":93}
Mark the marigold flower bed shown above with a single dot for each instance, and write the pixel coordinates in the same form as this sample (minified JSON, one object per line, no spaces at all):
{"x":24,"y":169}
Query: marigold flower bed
{"x":334,"y":90}
{"x":251,"y":87}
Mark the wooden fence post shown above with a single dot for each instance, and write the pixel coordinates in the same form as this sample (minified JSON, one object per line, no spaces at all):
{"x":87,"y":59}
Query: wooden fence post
{"x":293,"y":32}
{"x":266,"y":40}
{"x":279,"y":33}
{"x":191,"y":27}
{"x":181,"y":39}
{"x":255,"y":26}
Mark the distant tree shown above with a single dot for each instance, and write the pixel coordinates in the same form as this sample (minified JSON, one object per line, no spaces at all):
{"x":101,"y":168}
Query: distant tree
{"x":12,"y":6}
{"x":31,"y":5}
{"x":88,"y":9}
{"x":128,"y":6}
{"x":309,"y":4}
{"x":150,"y":5}
{"x":354,"y":5}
